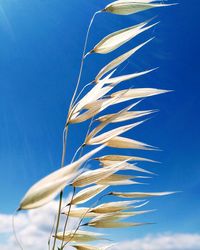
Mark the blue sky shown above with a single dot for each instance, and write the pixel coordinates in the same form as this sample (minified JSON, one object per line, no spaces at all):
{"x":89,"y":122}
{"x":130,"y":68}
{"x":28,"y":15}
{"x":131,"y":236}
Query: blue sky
{"x":41,"y":46}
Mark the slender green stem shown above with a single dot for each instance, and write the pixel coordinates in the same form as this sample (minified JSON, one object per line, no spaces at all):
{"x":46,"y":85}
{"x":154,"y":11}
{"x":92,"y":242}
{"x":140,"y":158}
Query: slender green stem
{"x":65,"y":133}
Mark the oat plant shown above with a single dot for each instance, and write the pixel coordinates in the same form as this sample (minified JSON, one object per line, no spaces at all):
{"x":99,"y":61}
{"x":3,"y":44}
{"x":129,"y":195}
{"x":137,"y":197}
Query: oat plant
{"x":87,"y":105}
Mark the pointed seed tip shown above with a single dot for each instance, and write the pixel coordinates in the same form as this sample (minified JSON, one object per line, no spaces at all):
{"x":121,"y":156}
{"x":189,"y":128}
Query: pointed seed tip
{"x":151,"y":19}
{"x":173,"y":4}
{"x":154,"y":24}
{"x":175,"y":192}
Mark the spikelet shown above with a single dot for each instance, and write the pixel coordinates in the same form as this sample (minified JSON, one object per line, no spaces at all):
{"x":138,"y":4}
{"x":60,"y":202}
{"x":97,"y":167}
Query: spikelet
{"x":127,"y":7}
{"x":103,"y":138}
{"x":128,"y":166}
{"x":130,"y":94}
{"x":87,"y":194}
{"x":49,"y":187}
{"x":117,"y":179}
{"x":94,"y":110}
{"x":79,"y":236}
{"x":140,"y":194}
{"x":94,"y":94}
{"x":114,"y":224}
{"x":79,"y":212}
{"x":128,"y":115}
{"x":116,"y":62}
{"x":112,"y":207}
{"x":109,"y":217}
{"x":108,"y":160}
{"x":94,"y":176}
{"x":118,"y":38}
{"x":122,"y":142}
{"x":109,"y":120}
{"x":87,"y":247}
{"x":116,"y":80}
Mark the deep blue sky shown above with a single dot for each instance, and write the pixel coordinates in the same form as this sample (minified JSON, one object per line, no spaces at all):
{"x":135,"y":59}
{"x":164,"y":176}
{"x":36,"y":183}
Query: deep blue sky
{"x":41,"y":44}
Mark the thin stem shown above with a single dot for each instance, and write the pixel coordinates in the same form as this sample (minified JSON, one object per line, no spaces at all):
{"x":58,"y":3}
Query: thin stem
{"x":66,"y":128}
{"x":89,"y":127}
{"x":71,"y":105}
{"x":83,"y":145}
{"x":65,"y":133}
{"x":77,"y":152}
{"x":82,"y":60}
{"x":14,"y":231}
{"x":68,"y":214}
{"x":86,"y":163}
{"x":81,"y":152}
{"x":91,"y":123}
{"x":49,"y":240}
{"x":74,"y":189}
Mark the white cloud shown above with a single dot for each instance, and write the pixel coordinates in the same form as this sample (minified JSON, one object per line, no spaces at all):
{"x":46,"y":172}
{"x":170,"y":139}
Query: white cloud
{"x":166,"y":241}
{"x":33,"y":229}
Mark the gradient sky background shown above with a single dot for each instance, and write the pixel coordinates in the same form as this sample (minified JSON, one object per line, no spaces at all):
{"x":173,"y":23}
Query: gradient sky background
{"x":41,"y":44}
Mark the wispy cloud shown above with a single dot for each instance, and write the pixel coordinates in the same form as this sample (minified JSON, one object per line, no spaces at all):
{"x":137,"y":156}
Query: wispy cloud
{"x":168,"y":241}
{"x":33,"y":229}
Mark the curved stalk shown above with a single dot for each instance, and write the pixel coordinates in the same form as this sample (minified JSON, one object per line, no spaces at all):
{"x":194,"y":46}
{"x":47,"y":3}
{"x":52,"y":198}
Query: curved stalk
{"x":49,"y":240}
{"x":82,"y":60}
{"x":70,"y":107}
{"x":77,"y":153}
{"x":14,"y":231}
{"x":88,"y":84}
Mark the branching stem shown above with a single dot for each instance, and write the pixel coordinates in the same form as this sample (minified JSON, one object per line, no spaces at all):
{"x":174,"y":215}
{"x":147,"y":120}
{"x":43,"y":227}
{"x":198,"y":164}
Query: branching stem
{"x":79,"y":225}
{"x":68,"y":214}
